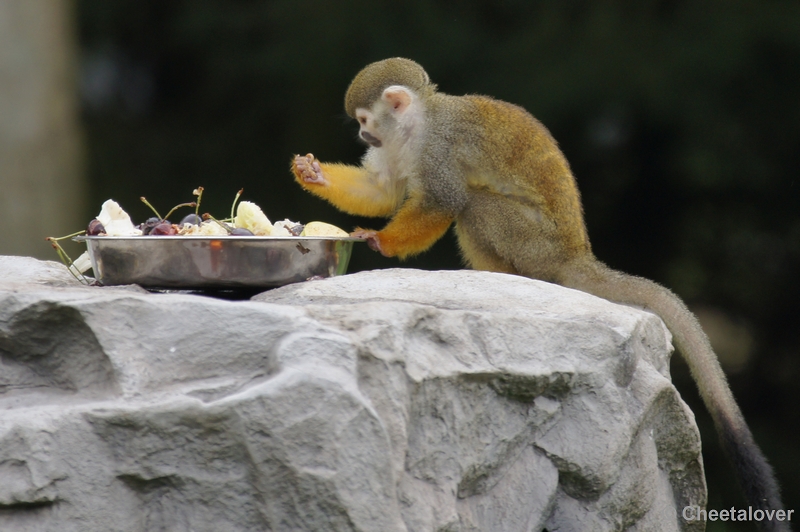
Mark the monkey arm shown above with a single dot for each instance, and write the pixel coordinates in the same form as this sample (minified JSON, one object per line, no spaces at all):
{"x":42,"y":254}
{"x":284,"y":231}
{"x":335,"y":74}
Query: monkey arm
{"x":412,"y":230}
{"x":353,"y":189}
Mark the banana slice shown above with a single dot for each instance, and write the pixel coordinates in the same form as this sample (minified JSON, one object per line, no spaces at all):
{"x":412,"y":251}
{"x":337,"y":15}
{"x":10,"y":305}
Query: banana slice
{"x":116,"y":221}
{"x":250,"y":216}
{"x":207,"y":228}
{"x":323,"y":229}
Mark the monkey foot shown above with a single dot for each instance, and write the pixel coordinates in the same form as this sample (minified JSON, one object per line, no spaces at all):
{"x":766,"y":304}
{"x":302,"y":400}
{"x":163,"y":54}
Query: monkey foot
{"x":372,"y":238}
{"x":307,"y":169}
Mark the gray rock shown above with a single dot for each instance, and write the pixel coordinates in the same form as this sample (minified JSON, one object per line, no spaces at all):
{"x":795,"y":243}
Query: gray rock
{"x":394,"y":400}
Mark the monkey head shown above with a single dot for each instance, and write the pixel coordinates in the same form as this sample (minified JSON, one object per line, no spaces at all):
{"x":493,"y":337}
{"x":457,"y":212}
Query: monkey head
{"x":387,"y":98}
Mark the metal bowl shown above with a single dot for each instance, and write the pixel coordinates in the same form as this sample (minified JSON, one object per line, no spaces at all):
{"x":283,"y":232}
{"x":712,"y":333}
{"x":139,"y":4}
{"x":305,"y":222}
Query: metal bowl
{"x":216,"y":263}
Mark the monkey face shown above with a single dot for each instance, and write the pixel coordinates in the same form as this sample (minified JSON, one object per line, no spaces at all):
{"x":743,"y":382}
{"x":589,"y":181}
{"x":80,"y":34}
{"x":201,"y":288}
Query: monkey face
{"x":389,"y":119}
{"x":368,"y":131}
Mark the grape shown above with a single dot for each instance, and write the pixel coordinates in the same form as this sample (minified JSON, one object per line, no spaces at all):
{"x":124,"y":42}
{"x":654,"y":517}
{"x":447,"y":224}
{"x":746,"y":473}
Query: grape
{"x":240,"y":231}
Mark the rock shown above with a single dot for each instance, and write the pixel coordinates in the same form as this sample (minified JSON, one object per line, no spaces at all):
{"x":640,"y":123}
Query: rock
{"x":393,"y":400}
{"x":26,"y":271}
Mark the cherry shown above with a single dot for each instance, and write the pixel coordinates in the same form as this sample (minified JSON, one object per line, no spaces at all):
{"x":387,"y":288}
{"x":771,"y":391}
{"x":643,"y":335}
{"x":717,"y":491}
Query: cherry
{"x":95,"y":228}
{"x":148,"y":225}
{"x":191,"y":219}
{"x":163,"y":228}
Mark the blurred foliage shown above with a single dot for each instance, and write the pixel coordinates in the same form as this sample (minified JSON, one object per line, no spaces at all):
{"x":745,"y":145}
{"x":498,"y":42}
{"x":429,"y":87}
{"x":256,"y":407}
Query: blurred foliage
{"x":681,"y":121}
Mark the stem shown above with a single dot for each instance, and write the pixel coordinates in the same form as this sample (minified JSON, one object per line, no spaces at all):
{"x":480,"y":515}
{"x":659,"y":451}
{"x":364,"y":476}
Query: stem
{"x":176,"y":207}
{"x":207,"y":216}
{"x":56,"y":239}
{"x":66,"y":260}
{"x":144,"y":200}
{"x":233,"y":207}
{"x":199,"y":193}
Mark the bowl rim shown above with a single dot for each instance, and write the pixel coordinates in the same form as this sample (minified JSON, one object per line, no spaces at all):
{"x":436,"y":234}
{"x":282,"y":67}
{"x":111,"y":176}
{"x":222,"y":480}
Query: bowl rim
{"x":252,"y":238}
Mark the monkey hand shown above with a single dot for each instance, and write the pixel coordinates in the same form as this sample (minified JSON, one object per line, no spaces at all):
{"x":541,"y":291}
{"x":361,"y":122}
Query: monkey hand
{"x":372,"y":238}
{"x":307,"y":170}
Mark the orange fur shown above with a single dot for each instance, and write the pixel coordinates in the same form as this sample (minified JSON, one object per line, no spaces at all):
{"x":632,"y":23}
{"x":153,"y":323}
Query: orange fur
{"x":351,"y":189}
{"x":412,"y":230}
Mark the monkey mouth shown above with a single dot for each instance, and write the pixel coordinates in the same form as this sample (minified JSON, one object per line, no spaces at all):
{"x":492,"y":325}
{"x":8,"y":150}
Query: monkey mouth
{"x":372,"y":140}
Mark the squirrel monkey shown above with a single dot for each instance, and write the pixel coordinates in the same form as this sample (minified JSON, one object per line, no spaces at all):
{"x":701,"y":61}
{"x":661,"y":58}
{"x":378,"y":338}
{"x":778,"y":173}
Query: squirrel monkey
{"x":497,"y":173}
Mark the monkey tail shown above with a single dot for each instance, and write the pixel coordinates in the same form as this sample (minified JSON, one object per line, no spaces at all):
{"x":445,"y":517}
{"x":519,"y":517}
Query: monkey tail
{"x":754,"y":473}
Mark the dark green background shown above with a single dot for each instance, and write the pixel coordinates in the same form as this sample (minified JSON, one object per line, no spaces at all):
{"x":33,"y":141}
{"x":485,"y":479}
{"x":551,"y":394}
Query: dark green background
{"x":681,"y":120}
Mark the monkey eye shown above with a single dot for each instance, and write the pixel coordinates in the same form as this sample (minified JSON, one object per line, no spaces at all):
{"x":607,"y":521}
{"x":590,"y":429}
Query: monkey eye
{"x":362,"y":120}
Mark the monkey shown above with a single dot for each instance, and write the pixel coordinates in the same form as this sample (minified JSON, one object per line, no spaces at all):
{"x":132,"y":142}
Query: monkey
{"x":495,"y":173}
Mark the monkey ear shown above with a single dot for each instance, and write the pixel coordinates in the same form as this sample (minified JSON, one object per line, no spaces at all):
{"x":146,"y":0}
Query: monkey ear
{"x":398,"y":97}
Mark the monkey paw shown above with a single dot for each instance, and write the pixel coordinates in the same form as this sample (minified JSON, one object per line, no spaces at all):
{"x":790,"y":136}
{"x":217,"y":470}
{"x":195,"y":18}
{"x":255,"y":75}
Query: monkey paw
{"x":372,"y":238}
{"x":307,"y":170}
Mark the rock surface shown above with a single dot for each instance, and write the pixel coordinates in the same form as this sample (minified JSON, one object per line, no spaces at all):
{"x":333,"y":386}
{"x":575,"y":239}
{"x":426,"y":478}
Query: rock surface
{"x":393,"y":400}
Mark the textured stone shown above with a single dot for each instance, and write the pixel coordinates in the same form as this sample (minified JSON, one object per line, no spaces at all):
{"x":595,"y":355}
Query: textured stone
{"x":381,"y":401}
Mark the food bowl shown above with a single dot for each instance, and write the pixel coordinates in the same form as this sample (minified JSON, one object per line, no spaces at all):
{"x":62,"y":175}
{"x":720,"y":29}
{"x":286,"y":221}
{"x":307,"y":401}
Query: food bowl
{"x":215,"y":263}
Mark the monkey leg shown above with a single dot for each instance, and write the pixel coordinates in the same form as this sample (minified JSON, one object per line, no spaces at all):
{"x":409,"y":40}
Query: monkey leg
{"x":498,"y":233}
{"x":479,"y":257}
{"x":352,"y":189}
